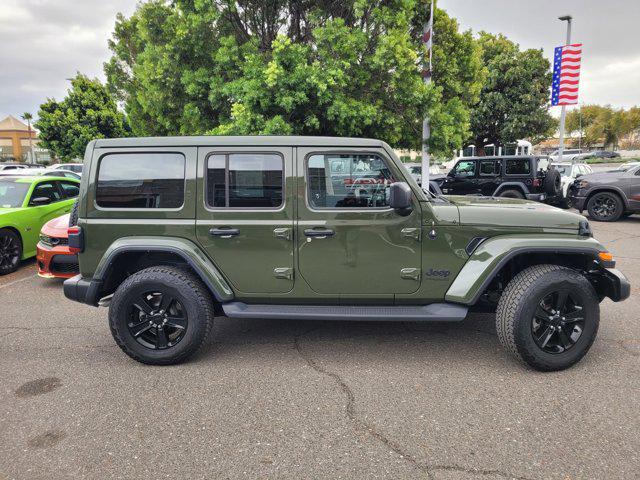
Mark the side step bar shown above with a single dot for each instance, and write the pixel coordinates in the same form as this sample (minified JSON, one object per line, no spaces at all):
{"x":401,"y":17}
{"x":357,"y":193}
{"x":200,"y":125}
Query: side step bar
{"x":436,"y":312}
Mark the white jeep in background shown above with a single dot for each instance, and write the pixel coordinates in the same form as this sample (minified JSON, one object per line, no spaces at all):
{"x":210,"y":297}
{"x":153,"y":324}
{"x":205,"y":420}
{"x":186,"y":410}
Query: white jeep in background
{"x":568,"y":173}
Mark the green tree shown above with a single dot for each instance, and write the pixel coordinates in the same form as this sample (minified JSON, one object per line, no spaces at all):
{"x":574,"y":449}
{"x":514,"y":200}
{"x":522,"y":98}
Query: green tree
{"x":86,"y":113}
{"x":602,"y":124}
{"x":514,"y":99}
{"x":293,"y":67}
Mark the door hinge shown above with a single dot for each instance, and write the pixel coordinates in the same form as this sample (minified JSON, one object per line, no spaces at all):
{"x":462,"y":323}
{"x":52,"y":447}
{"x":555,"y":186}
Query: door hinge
{"x":411,"y":233}
{"x":410,"y":273}
{"x":283,"y":272}
{"x":282,"y":232}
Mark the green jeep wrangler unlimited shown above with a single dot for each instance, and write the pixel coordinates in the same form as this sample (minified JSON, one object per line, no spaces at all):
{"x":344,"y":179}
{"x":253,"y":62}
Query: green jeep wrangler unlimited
{"x":174,"y":231}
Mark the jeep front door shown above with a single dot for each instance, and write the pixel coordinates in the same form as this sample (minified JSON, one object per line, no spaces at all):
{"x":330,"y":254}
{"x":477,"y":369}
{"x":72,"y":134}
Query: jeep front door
{"x":350,"y":242}
{"x":245,"y":215}
{"x":462,"y":179}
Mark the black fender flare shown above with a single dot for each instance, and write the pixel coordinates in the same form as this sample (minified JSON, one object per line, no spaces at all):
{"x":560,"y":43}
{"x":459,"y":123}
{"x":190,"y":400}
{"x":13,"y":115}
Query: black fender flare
{"x":506,"y":185}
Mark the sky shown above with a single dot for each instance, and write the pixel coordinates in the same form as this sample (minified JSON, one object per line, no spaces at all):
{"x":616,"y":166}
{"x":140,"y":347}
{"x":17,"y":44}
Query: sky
{"x":45,"y":42}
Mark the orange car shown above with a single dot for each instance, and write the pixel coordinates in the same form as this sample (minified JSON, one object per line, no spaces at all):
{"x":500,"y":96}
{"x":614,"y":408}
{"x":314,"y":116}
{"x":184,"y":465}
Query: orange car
{"x":54,"y":258}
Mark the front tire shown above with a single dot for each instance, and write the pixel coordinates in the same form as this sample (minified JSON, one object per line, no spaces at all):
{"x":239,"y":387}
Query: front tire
{"x":548,"y":317}
{"x":605,"y":207}
{"x":161,"y":315}
{"x":10,"y":251}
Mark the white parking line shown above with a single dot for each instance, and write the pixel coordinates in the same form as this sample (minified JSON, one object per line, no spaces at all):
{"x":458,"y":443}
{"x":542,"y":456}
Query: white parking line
{"x":17,"y":281}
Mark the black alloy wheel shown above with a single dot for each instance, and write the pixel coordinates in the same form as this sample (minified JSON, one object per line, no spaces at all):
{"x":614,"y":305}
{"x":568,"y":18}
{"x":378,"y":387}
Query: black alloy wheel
{"x":10,"y":251}
{"x":605,"y":207}
{"x":157,"y":320}
{"x":558,"y":322}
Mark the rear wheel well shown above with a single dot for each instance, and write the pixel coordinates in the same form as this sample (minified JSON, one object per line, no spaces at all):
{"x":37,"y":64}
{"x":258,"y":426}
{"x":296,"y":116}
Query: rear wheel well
{"x":580,"y":262}
{"x":130,"y":262}
{"x":519,"y":188}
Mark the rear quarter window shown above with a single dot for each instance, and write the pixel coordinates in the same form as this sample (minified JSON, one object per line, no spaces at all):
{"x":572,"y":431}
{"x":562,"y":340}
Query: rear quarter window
{"x":141,"y":180}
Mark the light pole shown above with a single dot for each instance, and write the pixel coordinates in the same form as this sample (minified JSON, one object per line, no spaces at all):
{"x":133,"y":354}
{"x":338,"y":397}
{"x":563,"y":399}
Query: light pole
{"x":563,"y":112}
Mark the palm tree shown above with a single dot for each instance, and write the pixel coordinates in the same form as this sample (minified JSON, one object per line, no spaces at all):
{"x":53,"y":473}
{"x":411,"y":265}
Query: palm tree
{"x":28,"y":117}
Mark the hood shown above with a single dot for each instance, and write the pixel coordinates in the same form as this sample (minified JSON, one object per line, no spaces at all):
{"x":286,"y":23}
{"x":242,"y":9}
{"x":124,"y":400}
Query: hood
{"x":603,"y":177}
{"x":6,"y":211}
{"x":57,"y":227}
{"x":511,"y":212}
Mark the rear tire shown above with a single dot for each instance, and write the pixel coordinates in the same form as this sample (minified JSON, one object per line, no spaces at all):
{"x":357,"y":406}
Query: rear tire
{"x":161,"y":315}
{"x":73,"y":216}
{"x":552,"y":183}
{"x":10,"y":251}
{"x":530,"y":327}
{"x":605,"y":207}
{"x":511,"y":194}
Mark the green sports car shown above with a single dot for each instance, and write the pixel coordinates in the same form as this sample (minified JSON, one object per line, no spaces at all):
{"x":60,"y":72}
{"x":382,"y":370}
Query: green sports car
{"x":26,"y":204}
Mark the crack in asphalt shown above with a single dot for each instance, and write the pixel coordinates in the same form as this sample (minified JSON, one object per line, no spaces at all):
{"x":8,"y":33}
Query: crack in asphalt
{"x":367,"y":428}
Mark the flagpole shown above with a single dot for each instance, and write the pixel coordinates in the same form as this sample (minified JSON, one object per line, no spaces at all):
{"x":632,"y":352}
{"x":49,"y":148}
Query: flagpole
{"x":563,"y":112}
{"x":426,"y":127}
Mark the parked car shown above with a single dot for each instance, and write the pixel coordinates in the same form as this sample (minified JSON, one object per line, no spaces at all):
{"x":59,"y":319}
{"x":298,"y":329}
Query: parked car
{"x":54,"y":258}
{"x":568,"y":173}
{"x":61,"y":173}
{"x":602,"y":154}
{"x":21,"y":172}
{"x":26,"y":204}
{"x":173,"y":231}
{"x":74,"y":167}
{"x":626,"y":166}
{"x":567,"y":154}
{"x":607,"y":196}
{"x":529,"y":177}
{"x":5,"y":167}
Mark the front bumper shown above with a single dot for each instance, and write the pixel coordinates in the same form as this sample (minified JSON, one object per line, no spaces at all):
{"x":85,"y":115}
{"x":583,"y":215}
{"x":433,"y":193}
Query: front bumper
{"x":614,"y":284}
{"x":56,"y":262}
{"x":82,"y":290}
{"x":579,"y":203}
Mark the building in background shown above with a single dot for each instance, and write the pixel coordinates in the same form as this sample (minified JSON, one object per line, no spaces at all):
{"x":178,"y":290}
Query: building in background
{"x":16,"y":140}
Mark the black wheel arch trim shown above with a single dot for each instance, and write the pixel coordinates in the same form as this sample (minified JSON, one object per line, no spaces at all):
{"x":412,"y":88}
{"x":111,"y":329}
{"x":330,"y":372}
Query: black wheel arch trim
{"x":87,"y":291}
{"x":590,"y":252}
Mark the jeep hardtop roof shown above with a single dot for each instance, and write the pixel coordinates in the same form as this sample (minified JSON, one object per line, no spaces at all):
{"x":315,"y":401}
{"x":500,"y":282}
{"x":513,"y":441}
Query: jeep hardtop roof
{"x":249,"y":140}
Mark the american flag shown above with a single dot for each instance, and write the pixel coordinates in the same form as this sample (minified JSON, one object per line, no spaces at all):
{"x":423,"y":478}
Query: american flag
{"x":566,"y":74}
{"x":427,"y":41}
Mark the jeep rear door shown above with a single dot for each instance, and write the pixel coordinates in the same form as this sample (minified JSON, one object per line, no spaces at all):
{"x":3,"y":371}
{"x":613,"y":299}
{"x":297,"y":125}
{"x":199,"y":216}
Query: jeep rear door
{"x":245,"y":215}
{"x":350,"y":242}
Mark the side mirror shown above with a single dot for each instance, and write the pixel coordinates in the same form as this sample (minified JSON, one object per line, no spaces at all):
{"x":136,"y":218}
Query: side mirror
{"x":400,"y":198}
{"x":38,"y":201}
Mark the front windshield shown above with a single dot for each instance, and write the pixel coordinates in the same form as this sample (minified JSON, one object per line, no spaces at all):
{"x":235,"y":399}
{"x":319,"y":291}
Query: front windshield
{"x":562,"y":169}
{"x":12,"y":194}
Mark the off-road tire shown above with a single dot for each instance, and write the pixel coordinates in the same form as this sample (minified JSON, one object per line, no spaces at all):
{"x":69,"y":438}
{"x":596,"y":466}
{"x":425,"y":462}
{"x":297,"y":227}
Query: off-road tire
{"x":73,"y":216}
{"x":614,"y":198}
{"x":184,"y":286}
{"x":552,"y":183}
{"x":511,"y":193}
{"x":516,"y":309}
{"x":10,"y":244}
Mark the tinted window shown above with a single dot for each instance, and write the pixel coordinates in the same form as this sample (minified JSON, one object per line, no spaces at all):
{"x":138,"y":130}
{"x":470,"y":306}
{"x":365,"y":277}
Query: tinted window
{"x":518,"y":166}
{"x":348,"y":181}
{"x":488,"y":167}
{"x":71,"y":190}
{"x":245,"y":180}
{"x":465,"y":169}
{"x":46,"y":190}
{"x":141,"y":180}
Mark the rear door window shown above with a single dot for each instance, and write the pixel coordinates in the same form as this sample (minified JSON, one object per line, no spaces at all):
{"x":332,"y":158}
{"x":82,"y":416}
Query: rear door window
{"x":245,"y":180}
{"x":141,"y":180}
{"x":518,"y":166}
{"x":70,"y":189}
{"x":488,"y":167}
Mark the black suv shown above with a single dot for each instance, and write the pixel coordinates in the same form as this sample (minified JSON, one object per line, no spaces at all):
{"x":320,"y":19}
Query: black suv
{"x":532,"y":178}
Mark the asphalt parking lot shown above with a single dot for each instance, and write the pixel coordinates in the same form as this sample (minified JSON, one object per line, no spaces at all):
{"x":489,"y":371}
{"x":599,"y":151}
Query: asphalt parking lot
{"x":283,"y":399}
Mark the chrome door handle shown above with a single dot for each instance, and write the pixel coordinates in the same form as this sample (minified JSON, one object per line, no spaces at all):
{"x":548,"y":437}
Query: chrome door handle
{"x":319,"y":232}
{"x":224,"y":232}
